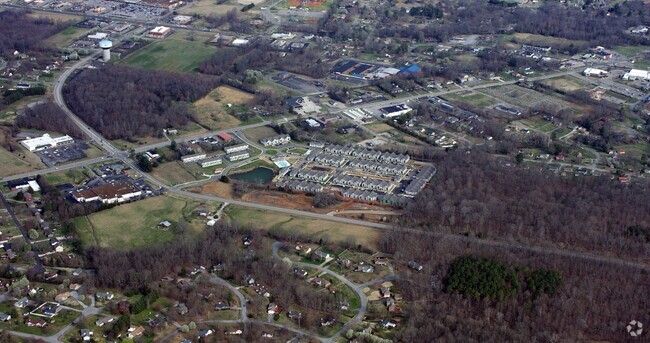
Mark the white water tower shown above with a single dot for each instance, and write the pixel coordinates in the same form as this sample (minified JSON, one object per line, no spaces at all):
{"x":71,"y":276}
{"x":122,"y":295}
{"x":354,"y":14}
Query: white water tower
{"x":106,"y":46}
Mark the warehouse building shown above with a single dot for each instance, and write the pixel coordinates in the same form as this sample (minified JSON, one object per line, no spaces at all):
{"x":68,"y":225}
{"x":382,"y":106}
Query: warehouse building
{"x":46,"y":142}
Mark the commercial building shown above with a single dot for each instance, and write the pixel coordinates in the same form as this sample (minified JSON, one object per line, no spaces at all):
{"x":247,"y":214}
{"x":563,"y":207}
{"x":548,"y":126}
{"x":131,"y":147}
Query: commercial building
{"x":109,"y":193}
{"x":237,"y":156}
{"x":235,"y":148}
{"x":182,"y":19}
{"x":46,"y":142}
{"x":159,"y":32}
{"x":193,"y":157}
{"x":98,"y":36}
{"x":226,"y":137}
{"x":276,"y":140}
{"x":395,"y":111}
{"x":637,"y":74}
{"x":594,"y":72}
{"x":210,"y":162}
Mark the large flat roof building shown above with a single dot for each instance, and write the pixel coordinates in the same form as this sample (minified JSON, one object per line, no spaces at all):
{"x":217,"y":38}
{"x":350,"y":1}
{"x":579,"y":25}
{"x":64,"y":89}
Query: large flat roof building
{"x":159,"y":32}
{"x":108,"y":193}
{"x":45,"y":142}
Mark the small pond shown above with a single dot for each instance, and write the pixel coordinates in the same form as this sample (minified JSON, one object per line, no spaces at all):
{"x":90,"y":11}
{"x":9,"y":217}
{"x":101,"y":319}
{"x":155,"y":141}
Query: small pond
{"x":259,"y":175}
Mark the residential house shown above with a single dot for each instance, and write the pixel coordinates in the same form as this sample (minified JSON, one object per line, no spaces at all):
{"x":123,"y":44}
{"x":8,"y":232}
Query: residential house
{"x":135,"y":331}
{"x":294,"y":315}
{"x":86,"y":334}
{"x":320,"y":254}
{"x":385,"y":292}
{"x":220,"y":306}
{"x":300,"y":272}
{"x":327,"y":321}
{"x":320,"y":282}
{"x":22,"y":303}
{"x":35,"y":322}
{"x":366,"y":268}
{"x":414,"y":265}
{"x":381,"y":261}
{"x":104,"y":296}
{"x":303,"y":248}
{"x":205,"y":333}
{"x":4,"y":317}
{"x":388,"y":324}
{"x":273,"y":308}
{"x":103,"y":321}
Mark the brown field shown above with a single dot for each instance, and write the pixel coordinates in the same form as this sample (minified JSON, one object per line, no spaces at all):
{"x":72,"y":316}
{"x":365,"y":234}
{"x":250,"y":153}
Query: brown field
{"x":565,"y":83}
{"x":282,"y":224}
{"x":206,"y":7}
{"x":20,"y":161}
{"x":379,"y":127}
{"x":211,"y":109}
{"x":257,"y":133}
{"x":55,"y":16}
{"x":529,"y":38}
{"x":172,"y":173}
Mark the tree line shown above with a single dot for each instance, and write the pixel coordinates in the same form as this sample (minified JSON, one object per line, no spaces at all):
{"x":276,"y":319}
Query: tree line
{"x":123,"y":102}
{"x":47,"y":116}
{"x":22,"y":33}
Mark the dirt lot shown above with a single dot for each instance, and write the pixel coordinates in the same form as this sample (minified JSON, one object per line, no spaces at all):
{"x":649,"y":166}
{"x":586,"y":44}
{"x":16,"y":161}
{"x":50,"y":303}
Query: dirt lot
{"x":211,"y":109}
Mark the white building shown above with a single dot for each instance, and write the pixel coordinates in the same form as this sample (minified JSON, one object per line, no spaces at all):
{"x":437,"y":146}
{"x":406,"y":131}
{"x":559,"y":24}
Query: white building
{"x":182,"y":19}
{"x":395,"y":111}
{"x":593,"y":72}
{"x":210,"y":162}
{"x":637,"y":74}
{"x":108,"y":193}
{"x":159,"y":32}
{"x":236,"y":156}
{"x":45,"y":142}
{"x":98,"y":36}
{"x":193,"y":157}
{"x":235,"y":148}
{"x":275,"y":140}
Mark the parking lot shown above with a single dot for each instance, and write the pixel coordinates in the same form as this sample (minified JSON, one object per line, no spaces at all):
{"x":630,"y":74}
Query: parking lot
{"x":63,"y":154}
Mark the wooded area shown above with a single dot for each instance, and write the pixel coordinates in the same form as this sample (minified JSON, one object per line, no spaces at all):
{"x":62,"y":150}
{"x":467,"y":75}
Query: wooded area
{"x":24,"y":34}
{"x":123,"y":102}
{"x":47,"y":116}
{"x":594,"y":302}
{"x":477,"y":194}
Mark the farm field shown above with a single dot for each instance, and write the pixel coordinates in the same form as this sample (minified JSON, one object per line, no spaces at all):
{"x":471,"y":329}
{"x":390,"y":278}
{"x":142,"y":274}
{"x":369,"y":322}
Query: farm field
{"x":314,"y":229}
{"x":136,"y":224}
{"x":173,"y":54}
{"x":172,"y":173}
{"x":211,"y":109}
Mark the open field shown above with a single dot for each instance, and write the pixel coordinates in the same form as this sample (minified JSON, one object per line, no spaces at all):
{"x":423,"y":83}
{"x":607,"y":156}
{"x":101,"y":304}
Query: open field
{"x":257,"y":133}
{"x":67,"y":36}
{"x":211,"y":109}
{"x":11,"y":163}
{"x":206,"y":7}
{"x":171,"y":54}
{"x":172,"y":173}
{"x":379,"y":127}
{"x":55,"y":16}
{"x":278,"y":223}
{"x":136,"y":224}
{"x":566,"y":83}
{"x":74,"y":176}
{"x":631,"y":50}
{"x":472,"y":98}
{"x":533,"y":39}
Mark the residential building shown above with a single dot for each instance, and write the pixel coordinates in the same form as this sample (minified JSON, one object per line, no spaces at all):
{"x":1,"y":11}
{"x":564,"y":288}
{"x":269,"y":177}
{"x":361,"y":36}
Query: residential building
{"x":193,"y":157}
{"x":103,"y":321}
{"x":4,"y":317}
{"x":275,"y":140}
{"x":236,"y":148}
{"x":210,"y":162}
{"x":237,"y":156}
{"x":415,"y":266}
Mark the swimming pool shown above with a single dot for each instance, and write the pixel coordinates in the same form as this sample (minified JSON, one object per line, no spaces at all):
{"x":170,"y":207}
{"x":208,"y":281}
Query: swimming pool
{"x":282,"y":164}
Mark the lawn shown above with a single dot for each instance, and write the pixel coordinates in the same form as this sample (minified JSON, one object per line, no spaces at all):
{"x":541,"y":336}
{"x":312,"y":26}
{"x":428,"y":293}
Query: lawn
{"x":206,"y":7}
{"x":67,"y":36}
{"x":74,"y":176}
{"x":257,"y":133}
{"x":12,"y":163}
{"x":212,"y":109}
{"x":136,"y":224}
{"x":254,"y":164}
{"x":315,"y":229}
{"x":172,"y":54}
{"x":566,"y":83}
{"x":173,"y":173}
{"x":379,"y":127}
{"x":630,"y":50}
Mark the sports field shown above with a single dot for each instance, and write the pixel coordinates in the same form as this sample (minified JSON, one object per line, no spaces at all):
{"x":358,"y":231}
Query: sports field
{"x":136,"y":224}
{"x":172,"y":54}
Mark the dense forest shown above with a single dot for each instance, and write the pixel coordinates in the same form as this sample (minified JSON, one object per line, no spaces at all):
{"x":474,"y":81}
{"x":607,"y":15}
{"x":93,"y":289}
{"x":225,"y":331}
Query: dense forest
{"x":586,"y":306}
{"x":476,"y":194}
{"x":47,"y":116}
{"x":123,"y":102}
{"x":22,"y":33}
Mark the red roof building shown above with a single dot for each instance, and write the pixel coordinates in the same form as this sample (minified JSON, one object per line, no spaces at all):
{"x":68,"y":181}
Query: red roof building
{"x":226,"y":137}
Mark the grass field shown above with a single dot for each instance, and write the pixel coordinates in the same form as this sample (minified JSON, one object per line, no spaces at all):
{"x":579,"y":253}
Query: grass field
{"x":172,"y":54}
{"x":67,"y":36}
{"x":257,"y":133}
{"x":211,"y":109}
{"x":172,"y":173}
{"x":379,"y":127}
{"x":206,"y":7}
{"x":282,"y":224}
{"x":136,"y":224}
{"x":11,"y":163}
{"x":55,"y":16}
{"x":565,"y":83}
{"x":74,"y":176}
{"x":533,"y":39}
{"x":631,"y":50}
{"x":472,"y":98}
